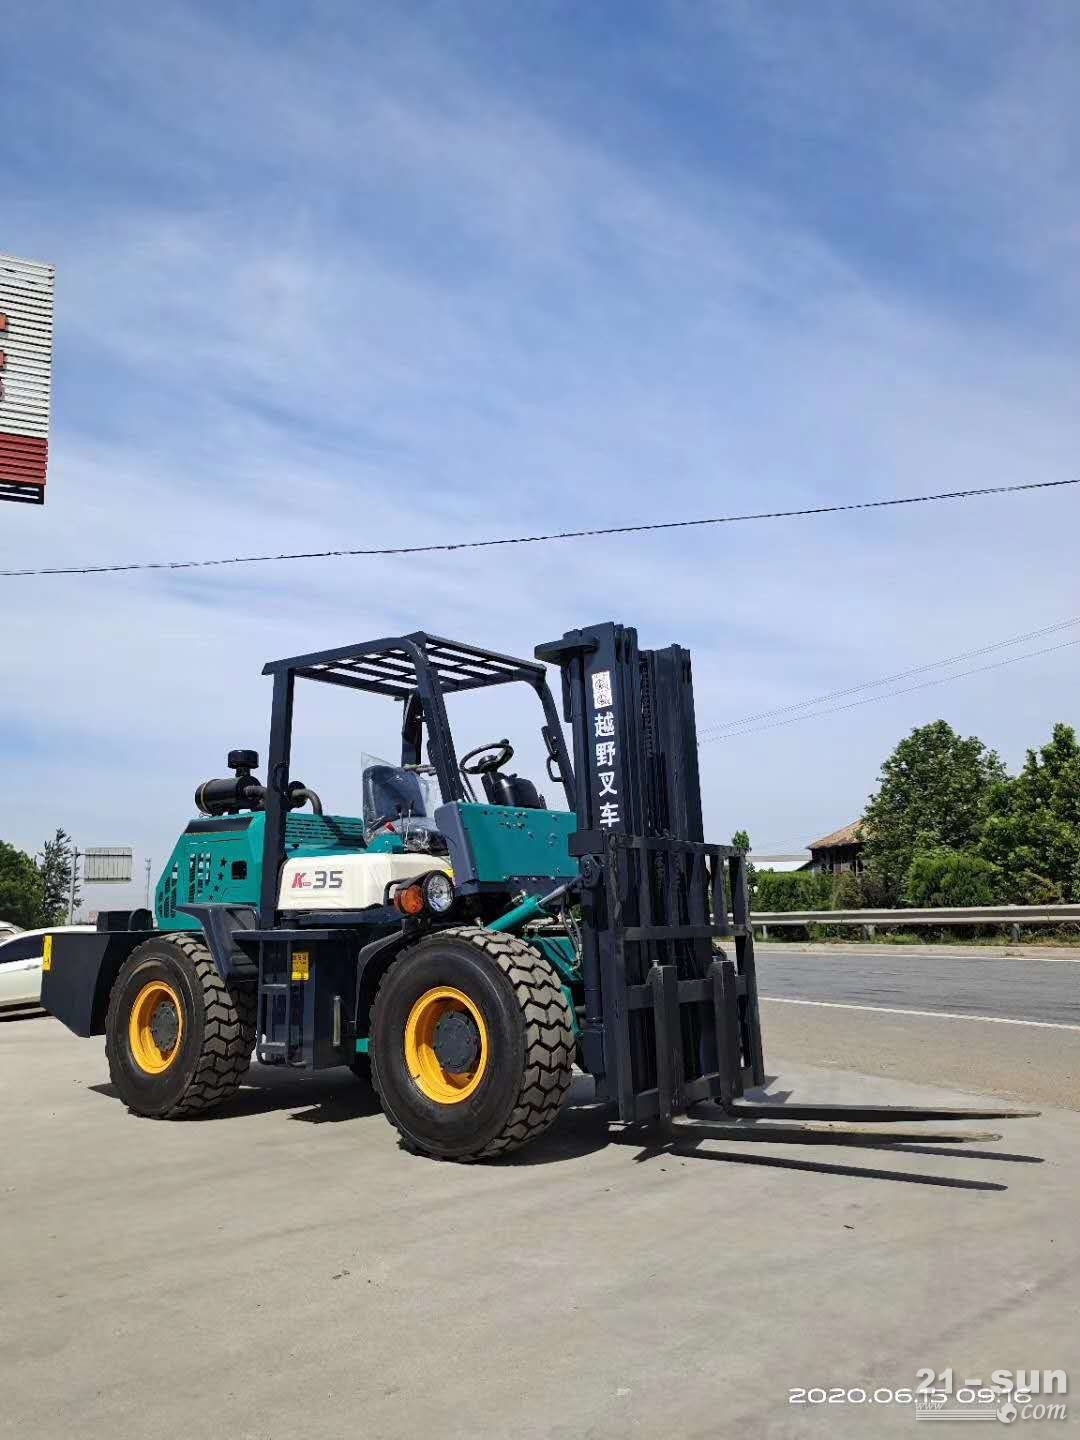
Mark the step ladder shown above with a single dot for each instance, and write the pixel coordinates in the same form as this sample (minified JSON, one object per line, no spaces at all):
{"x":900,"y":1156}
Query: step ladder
{"x":284,"y":966}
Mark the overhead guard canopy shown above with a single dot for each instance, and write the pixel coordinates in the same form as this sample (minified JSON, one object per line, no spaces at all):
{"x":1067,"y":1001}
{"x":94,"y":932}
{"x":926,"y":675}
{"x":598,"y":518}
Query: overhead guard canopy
{"x":389,"y":666}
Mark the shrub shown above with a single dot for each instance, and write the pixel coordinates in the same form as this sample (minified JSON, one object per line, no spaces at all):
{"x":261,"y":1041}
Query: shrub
{"x":950,"y":877}
{"x":797,"y":890}
{"x":847,"y":891}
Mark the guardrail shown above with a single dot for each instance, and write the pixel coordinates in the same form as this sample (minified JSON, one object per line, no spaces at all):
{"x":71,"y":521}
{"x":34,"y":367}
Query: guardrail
{"x":1014,"y":916}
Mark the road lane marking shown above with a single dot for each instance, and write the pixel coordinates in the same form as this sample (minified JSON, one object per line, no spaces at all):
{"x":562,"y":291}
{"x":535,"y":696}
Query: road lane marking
{"x":881,"y":952}
{"x":933,"y":1014}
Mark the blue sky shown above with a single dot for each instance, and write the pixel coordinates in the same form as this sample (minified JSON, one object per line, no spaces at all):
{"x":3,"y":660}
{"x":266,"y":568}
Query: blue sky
{"x":356,"y":275}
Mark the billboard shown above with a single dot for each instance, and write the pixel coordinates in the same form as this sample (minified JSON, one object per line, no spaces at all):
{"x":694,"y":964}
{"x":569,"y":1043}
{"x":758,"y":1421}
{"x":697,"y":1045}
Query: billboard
{"x":106,"y":864}
{"x":26,"y":342}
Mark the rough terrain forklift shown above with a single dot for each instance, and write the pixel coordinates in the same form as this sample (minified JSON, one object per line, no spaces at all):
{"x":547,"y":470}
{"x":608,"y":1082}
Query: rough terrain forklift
{"x":461,"y":943}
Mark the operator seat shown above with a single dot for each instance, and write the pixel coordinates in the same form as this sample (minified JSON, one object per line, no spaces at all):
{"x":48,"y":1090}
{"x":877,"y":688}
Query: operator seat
{"x":391,"y":791}
{"x":503,"y":789}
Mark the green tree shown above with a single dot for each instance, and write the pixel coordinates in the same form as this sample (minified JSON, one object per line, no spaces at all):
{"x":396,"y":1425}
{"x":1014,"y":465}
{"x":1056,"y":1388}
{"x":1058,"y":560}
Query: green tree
{"x":55,"y":863}
{"x":1032,"y":831}
{"x":741,"y":841}
{"x":20,"y":888}
{"x":933,"y":793}
{"x":951,"y":877}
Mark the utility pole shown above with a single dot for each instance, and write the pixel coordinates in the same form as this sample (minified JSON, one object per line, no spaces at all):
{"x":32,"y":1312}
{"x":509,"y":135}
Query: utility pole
{"x":146,"y":901}
{"x":75,"y":858}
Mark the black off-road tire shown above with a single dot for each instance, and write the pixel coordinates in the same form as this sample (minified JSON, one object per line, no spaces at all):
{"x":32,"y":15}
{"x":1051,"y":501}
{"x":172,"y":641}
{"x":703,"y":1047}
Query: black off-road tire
{"x":530,"y":1036}
{"x":217,"y":1038}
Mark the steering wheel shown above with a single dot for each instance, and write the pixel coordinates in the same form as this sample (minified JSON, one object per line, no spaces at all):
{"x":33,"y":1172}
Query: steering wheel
{"x":492,"y":756}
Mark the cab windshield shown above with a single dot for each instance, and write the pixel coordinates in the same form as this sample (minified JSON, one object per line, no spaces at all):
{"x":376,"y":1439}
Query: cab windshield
{"x":398,"y":797}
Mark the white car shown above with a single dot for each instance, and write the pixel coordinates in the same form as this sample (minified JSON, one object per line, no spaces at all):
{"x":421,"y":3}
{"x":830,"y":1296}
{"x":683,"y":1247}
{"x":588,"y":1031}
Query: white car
{"x":20,"y":963}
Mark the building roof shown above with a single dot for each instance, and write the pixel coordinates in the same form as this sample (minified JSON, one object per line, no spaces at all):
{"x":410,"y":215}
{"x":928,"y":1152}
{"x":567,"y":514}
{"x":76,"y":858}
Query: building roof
{"x":846,"y":835}
{"x":781,"y":864}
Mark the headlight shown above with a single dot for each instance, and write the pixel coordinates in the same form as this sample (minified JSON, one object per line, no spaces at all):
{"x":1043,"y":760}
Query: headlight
{"x":438,"y":893}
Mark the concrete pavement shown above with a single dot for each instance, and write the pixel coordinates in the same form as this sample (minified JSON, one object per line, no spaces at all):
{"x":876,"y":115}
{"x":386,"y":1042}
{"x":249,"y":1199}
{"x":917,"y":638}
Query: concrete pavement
{"x":1025,"y":1063}
{"x":284,"y":1269}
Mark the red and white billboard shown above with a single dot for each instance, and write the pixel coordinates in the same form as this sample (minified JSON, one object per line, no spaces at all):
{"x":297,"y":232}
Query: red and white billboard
{"x":26,"y":342}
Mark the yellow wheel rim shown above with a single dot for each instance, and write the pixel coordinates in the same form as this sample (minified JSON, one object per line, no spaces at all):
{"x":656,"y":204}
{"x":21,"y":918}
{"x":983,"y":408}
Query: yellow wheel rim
{"x":431,"y":1077}
{"x":156,"y":1027}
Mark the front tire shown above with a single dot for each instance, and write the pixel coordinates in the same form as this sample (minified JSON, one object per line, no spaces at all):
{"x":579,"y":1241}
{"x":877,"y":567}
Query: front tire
{"x":178,"y":1039}
{"x":472,"y":1044}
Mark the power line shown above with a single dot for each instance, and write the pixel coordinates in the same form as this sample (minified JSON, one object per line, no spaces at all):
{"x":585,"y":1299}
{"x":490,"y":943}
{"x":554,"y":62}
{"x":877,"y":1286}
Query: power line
{"x":539,"y":539}
{"x":713,"y":731}
{"x":892,"y":694}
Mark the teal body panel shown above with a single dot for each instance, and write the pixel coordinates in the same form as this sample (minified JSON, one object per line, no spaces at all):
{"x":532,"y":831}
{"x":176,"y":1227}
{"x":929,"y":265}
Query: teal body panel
{"x":218,"y":865}
{"x":508,"y":843}
{"x":224,"y":867}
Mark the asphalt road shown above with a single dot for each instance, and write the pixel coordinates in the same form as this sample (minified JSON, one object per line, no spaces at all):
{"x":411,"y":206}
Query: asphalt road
{"x":1046,"y":991}
{"x":1008,"y":1027}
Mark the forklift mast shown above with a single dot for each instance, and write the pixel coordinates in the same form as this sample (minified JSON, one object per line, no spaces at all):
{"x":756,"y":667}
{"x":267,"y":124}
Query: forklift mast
{"x":670,"y":1020}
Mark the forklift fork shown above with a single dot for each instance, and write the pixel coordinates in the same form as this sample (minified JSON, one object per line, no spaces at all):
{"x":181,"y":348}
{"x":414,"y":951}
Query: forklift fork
{"x":872,"y":1114}
{"x":801,"y":1124}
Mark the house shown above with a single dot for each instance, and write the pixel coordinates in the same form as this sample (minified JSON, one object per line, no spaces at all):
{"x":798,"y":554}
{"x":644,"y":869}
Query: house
{"x":839,"y":852}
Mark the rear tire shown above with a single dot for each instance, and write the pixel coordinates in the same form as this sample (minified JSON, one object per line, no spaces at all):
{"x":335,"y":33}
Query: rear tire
{"x":177,"y":1038}
{"x":512,"y":1031}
